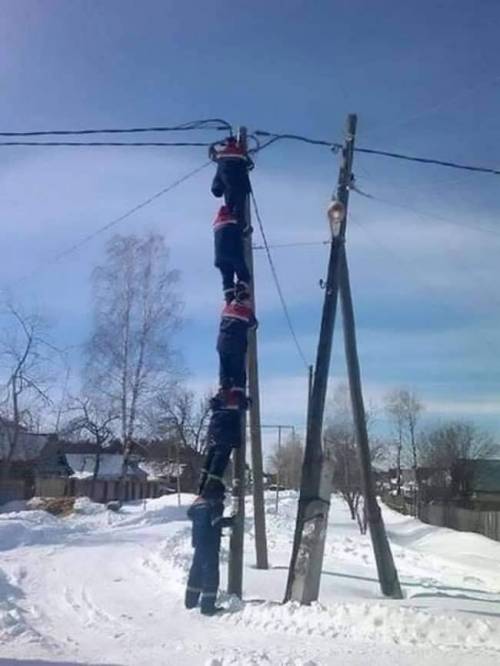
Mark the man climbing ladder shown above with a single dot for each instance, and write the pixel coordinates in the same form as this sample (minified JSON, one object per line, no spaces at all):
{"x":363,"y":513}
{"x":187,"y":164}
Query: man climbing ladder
{"x":226,"y":428}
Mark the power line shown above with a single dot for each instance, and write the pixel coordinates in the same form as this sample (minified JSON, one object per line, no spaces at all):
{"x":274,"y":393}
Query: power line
{"x":218,"y":124}
{"x":278,"y":285}
{"x":431,"y":216}
{"x":181,"y":144}
{"x":76,"y":246}
{"x":296,"y":244}
{"x":371,"y":151}
{"x":429,"y":160}
{"x":207,"y":124}
{"x":425,"y":285}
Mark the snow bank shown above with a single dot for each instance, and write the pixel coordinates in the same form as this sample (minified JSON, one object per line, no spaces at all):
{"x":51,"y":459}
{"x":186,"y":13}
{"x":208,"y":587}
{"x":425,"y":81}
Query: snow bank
{"x":13,"y":622}
{"x":27,"y":528}
{"x":369,"y":622}
{"x":262,"y":657}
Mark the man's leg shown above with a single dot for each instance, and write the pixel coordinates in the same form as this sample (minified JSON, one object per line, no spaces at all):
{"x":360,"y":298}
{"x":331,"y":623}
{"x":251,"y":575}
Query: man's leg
{"x":223,"y":241}
{"x":219,"y":461}
{"x":205,"y":469}
{"x":239,"y":263}
{"x":238,"y":368}
{"x":225,"y":368}
{"x":195,"y":580}
{"x":210,"y":584}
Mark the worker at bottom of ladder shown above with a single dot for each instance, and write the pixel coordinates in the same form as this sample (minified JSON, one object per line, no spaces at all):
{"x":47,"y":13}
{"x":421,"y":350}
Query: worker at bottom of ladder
{"x":206,"y":514}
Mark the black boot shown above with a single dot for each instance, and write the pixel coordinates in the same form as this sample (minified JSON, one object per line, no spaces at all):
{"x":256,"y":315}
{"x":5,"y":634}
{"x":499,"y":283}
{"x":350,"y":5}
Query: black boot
{"x":242,"y":291}
{"x":208,"y":606}
{"x":191,"y":598}
{"x":229,"y":295}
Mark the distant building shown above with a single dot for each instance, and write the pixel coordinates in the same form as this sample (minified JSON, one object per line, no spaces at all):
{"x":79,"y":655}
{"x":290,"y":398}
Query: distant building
{"x":477,"y":480}
{"x":19,"y":482}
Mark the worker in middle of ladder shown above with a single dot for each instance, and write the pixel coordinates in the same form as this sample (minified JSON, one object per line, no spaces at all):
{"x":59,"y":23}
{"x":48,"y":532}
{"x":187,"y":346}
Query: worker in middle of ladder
{"x":237,"y":318}
{"x":224,"y":434}
{"x":229,"y":254}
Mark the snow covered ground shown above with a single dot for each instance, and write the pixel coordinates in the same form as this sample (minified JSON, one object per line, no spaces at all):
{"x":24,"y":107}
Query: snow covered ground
{"x":104,"y":588}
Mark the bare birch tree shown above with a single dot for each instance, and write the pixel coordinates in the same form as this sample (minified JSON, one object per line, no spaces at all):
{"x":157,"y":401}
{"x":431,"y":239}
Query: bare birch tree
{"x":445,"y":445}
{"x":182,"y":418}
{"x":25,"y":359}
{"x":92,"y":419}
{"x":286,"y":461}
{"x":341,"y":444}
{"x":404,"y":408}
{"x":396,"y":414}
{"x":131,"y":355}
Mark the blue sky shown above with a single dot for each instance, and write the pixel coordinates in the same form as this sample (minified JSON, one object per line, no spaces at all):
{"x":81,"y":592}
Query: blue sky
{"x":423,"y":77}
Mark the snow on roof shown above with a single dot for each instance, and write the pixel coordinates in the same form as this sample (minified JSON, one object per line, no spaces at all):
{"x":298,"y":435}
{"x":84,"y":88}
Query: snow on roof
{"x":162,"y":470}
{"x":83,"y":465}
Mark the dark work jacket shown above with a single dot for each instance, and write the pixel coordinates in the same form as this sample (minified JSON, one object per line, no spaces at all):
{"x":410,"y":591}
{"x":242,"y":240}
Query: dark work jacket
{"x":224,"y":429}
{"x":231,"y":181}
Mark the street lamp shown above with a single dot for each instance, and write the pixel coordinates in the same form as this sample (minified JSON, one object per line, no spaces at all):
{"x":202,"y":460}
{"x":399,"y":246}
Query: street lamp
{"x":336,"y":215}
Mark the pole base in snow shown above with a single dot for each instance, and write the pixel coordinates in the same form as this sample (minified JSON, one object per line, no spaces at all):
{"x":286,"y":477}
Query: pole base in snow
{"x":303,"y":585}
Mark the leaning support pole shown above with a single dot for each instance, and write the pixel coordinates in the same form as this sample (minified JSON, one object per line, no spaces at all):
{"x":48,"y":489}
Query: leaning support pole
{"x":387,"y":573}
{"x":316,"y":484}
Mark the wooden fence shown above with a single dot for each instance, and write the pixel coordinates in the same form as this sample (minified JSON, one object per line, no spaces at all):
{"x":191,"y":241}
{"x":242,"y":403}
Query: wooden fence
{"x":464,"y":520}
{"x":14,"y":489}
{"x":99,"y":490}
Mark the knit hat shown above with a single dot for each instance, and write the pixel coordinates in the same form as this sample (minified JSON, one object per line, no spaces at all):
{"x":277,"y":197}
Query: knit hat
{"x":232,"y":149}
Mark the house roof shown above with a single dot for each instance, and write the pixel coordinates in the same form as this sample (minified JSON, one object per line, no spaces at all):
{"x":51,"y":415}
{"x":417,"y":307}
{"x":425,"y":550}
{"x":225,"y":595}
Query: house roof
{"x":28,"y":449}
{"x":88,"y":447}
{"x":486,"y":476}
{"x":162,"y":470}
{"x":110,"y":466}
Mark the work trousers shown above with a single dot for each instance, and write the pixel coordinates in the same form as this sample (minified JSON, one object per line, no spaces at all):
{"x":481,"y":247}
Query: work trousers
{"x":215,"y":465}
{"x":229,"y":255}
{"x":203,"y":579}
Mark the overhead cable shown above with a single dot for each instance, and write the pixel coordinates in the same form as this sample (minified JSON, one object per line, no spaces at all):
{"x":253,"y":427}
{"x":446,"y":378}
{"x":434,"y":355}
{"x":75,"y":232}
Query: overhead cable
{"x":371,"y":151}
{"x":274,"y":273}
{"x":181,"y":144}
{"x":86,"y":239}
{"x":296,"y":244}
{"x":210,"y":123}
{"x":218,"y":124}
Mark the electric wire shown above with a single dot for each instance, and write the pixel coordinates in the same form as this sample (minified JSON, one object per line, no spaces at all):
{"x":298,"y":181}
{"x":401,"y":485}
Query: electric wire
{"x":210,"y":123}
{"x":218,"y":124}
{"x":426,"y":287}
{"x":86,"y":239}
{"x":274,"y":273}
{"x":429,"y":160}
{"x":181,"y":144}
{"x":296,"y":244}
{"x":425,"y":214}
{"x":372,"y":151}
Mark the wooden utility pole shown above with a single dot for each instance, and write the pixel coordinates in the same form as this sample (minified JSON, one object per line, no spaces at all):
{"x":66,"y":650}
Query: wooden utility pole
{"x":235,"y":568}
{"x":316,"y":484}
{"x":236,"y":540}
{"x":387,"y":573}
{"x":307,"y":557}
